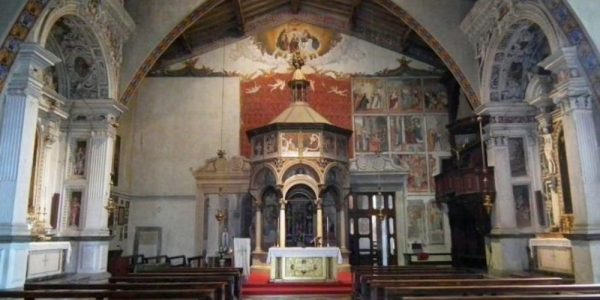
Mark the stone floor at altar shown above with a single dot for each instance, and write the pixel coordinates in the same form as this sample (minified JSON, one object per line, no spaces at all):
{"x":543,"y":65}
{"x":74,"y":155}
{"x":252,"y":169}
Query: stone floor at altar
{"x":259,"y":286}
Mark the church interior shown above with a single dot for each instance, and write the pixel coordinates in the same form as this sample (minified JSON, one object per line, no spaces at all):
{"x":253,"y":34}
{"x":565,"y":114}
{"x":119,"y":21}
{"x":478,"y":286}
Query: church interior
{"x":264,"y":149}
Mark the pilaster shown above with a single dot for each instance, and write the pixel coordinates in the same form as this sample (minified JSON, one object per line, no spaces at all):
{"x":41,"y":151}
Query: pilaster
{"x":583,"y":161}
{"x":17,"y":136}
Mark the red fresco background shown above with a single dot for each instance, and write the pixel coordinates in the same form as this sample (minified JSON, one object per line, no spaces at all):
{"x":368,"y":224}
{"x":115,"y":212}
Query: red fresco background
{"x":260,"y":108}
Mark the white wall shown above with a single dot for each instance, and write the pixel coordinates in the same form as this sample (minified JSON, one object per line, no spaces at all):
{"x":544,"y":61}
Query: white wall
{"x":175,"y":215}
{"x":176,"y":125}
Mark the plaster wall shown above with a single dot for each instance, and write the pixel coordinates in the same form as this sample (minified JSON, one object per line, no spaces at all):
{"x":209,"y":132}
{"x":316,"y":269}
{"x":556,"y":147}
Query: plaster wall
{"x":175,"y":215}
{"x":154,"y":19}
{"x":177,"y":126}
{"x":587,"y":12}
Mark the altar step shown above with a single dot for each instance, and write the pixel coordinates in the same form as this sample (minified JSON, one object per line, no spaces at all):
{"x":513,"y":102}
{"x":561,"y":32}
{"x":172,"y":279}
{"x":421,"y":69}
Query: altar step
{"x":259,"y":285}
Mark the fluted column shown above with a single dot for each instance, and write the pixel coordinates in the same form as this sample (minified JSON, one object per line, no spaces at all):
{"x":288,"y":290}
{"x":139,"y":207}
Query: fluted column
{"x":258,"y":227}
{"x":282,"y":232}
{"x":17,"y":136}
{"x":94,"y":216}
{"x":319,"y":204}
{"x":504,"y":214}
{"x":583,"y":160}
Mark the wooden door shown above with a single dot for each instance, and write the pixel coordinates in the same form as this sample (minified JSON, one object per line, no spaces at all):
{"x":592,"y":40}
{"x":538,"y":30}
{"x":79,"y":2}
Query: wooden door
{"x":368,"y":213}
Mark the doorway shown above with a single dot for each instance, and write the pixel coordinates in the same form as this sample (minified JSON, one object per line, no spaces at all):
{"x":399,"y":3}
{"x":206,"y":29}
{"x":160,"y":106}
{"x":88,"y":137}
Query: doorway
{"x":300,"y":219}
{"x":372,"y":229}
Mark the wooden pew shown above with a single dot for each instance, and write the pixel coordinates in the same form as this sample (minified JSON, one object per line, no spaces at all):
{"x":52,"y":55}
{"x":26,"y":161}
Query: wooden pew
{"x":218,"y":286}
{"x":196,"y":261}
{"x":152,"y":294}
{"x":177,"y":261}
{"x":509,"y":297}
{"x":232,"y":288}
{"x":401,"y":292}
{"x":362,"y":286}
{"x":357,"y":272}
{"x":374,"y":289}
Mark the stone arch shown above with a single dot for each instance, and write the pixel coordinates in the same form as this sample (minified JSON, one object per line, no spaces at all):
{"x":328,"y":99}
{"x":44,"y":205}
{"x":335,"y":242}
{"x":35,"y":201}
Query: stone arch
{"x":260,"y":177}
{"x":527,"y":22}
{"x":72,"y":15}
{"x":300,"y":179}
{"x":291,"y":165}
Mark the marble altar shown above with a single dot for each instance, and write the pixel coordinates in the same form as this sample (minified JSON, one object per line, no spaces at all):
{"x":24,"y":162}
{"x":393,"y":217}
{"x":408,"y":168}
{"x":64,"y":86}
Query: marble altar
{"x":297,"y":264}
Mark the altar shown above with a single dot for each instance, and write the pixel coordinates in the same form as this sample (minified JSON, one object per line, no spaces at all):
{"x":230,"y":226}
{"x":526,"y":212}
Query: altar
{"x":297,"y":264}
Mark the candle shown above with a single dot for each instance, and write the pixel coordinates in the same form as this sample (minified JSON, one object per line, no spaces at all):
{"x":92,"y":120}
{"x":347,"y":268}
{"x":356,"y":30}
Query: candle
{"x":327,"y":230}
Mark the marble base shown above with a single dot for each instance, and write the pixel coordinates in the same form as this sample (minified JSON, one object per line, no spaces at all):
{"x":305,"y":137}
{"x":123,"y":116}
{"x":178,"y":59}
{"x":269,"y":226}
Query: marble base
{"x":506,"y":255}
{"x":92,"y":257}
{"x":586,"y":261}
{"x":13,"y":262}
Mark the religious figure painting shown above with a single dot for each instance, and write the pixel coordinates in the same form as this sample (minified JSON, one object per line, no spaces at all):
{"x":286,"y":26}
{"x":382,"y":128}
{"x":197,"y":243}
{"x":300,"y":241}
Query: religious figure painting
{"x":270,"y":143}
{"x":415,"y":213}
{"x":257,"y":146}
{"x":370,"y":133}
{"x":309,"y":40}
{"x":368,"y":95}
{"x":328,"y":143}
{"x":435,"y":96}
{"x":522,"y":205}
{"x":289,"y":144}
{"x":413,"y":134}
{"x":417,"y":166}
{"x":404,"y":95}
{"x":516,"y":150}
{"x":435,"y":222}
{"x":341,"y":147}
{"x":433,"y":170}
{"x":437,"y":134}
{"x":79,"y":156}
{"x":311,"y":144}
{"x":74,"y":208}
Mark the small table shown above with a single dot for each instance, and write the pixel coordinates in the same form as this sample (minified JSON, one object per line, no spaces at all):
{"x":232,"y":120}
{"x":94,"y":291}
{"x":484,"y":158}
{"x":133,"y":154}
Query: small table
{"x":297,"y":264}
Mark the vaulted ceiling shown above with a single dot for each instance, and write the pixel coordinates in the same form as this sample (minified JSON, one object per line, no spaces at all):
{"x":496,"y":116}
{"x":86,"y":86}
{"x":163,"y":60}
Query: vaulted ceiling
{"x":364,"y":19}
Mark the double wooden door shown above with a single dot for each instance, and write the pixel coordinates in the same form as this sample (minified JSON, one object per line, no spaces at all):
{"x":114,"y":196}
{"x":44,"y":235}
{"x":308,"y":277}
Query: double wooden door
{"x":372,"y":229}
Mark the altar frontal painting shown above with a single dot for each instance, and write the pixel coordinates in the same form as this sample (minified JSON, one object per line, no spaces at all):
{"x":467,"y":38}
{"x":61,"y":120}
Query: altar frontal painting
{"x":284,"y":40}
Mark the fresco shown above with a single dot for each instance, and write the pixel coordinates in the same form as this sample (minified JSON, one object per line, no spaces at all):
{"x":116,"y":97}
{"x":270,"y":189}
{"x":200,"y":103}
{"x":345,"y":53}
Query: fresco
{"x":369,"y":95}
{"x":435,"y":96}
{"x":415,"y":213}
{"x":435,"y":223}
{"x":417,"y":164}
{"x":282,"y":41}
{"x":437,"y":134}
{"x":404,"y":95}
{"x":370,"y":133}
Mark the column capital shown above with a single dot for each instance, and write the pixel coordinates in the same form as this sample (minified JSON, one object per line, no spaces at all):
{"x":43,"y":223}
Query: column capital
{"x":28,"y":75}
{"x":497,"y":141}
{"x":319,"y":203}
{"x":569,"y":104}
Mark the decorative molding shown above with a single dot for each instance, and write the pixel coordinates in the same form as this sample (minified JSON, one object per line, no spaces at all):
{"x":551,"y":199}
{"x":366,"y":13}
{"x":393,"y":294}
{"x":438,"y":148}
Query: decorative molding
{"x":375,"y":163}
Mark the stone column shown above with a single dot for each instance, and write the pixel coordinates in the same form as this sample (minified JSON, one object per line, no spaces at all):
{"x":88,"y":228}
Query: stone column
{"x":319,"y":204}
{"x":17,"y":135}
{"x":504,"y":216}
{"x":282,"y":232}
{"x":583,"y":159}
{"x":258,"y":236}
{"x":506,"y":253}
{"x":343,"y":231}
{"x":47,"y":172}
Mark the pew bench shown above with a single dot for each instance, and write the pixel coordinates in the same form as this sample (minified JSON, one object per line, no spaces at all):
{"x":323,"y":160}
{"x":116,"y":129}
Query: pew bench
{"x":401,"y":292}
{"x":374,"y":289}
{"x":233,"y":287}
{"x":361,"y":286}
{"x":218,"y":286}
{"x":76,"y":294}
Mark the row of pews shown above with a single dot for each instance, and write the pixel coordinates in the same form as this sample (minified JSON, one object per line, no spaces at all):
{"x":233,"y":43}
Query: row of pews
{"x":441,"y":282}
{"x":221,"y":283}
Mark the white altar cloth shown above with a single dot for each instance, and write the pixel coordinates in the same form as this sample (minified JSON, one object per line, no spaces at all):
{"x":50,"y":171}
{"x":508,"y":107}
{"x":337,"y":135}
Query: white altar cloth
{"x":305,"y":252}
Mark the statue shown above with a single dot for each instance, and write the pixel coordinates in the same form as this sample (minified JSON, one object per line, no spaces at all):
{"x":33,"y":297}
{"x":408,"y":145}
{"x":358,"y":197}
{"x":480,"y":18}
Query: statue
{"x":548,"y":152}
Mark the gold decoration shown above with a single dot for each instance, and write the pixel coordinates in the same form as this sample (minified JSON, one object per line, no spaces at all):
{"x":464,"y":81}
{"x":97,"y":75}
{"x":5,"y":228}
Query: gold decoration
{"x":566,"y":223}
{"x":488,"y":203}
{"x":304,"y":268}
